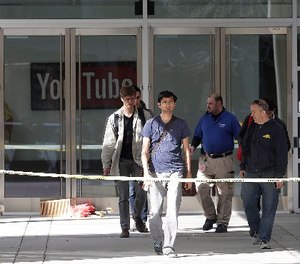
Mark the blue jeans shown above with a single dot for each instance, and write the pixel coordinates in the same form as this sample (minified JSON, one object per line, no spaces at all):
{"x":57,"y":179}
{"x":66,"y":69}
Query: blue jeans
{"x":251,"y":193}
{"x":131,"y":169}
{"x":132,"y":195}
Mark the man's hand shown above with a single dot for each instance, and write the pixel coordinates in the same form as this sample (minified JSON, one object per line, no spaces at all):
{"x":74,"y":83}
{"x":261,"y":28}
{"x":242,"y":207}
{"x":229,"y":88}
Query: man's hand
{"x":147,"y":183}
{"x":242,"y":173}
{"x":192,"y":149}
{"x":278,"y":185}
{"x":188,"y":185}
{"x":106,"y":171}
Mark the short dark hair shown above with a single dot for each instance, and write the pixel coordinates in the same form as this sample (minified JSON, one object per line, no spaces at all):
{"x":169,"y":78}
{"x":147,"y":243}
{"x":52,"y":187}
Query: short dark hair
{"x":270,"y":102}
{"x":218,"y":97}
{"x":166,"y":94}
{"x":137,"y":89}
{"x":127,"y":91}
{"x":262,"y":103}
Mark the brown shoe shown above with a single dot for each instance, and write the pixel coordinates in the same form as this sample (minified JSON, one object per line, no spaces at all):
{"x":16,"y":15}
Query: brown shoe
{"x":125,"y":233}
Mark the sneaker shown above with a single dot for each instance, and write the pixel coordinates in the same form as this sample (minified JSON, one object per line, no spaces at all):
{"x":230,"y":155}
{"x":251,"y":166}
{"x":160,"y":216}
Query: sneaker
{"x":157,"y":246}
{"x":140,"y":225}
{"x":265,"y":245}
{"x":255,"y":239}
{"x":169,"y":252}
{"x":208,"y":224}
{"x":125,"y":233}
{"x":221,"y":228}
{"x":133,"y":228}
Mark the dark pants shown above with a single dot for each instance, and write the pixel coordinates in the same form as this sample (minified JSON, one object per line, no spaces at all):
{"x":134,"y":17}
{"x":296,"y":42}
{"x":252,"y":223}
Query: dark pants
{"x":132,"y":194}
{"x":130,"y":169}
{"x":251,"y":193}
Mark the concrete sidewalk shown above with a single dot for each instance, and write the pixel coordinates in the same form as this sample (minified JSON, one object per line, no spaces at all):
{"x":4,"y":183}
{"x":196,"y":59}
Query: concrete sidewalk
{"x":96,"y":240}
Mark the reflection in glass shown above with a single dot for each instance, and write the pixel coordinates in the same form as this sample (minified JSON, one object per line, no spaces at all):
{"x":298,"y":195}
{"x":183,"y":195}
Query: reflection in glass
{"x":254,"y":71}
{"x":67,"y":9}
{"x":222,"y":9}
{"x":183,"y":65}
{"x":106,"y":64}
{"x":298,"y":46}
{"x":32,"y":128}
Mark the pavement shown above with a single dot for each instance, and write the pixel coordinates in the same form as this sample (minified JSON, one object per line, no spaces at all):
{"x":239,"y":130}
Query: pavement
{"x":35,"y":239}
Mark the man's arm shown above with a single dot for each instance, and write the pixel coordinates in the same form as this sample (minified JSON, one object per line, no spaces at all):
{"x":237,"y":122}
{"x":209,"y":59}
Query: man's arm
{"x":146,"y":156}
{"x":246,"y":145}
{"x":186,"y":151}
{"x":145,"y":159}
{"x":108,"y":147}
{"x":195,"y":143}
{"x":243,"y":129}
{"x":197,"y":138}
{"x":281,"y":148}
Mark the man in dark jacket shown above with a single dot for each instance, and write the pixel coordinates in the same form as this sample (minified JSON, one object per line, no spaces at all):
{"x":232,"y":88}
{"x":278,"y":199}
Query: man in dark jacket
{"x":265,"y":151}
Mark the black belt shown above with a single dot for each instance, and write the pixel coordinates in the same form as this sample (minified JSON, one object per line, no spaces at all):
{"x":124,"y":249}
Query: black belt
{"x":219,"y":155}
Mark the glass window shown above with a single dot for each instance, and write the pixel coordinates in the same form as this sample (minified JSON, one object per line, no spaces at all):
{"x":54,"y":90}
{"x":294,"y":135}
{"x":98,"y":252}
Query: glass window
{"x":222,"y":9}
{"x":33,"y":126}
{"x":298,"y":107}
{"x":257,"y":69}
{"x":183,"y":65}
{"x":106,"y":64}
{"x":298,"y":46}
{"x":68,"y":9}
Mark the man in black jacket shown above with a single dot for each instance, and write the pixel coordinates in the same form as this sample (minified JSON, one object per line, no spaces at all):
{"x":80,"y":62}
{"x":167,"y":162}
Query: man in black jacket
{"x":265,"y":151}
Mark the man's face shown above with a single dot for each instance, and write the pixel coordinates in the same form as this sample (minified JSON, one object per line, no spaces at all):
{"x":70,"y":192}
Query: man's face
{"x":129,"y":101}
{"x":257,"y":113}
{"x":212,"y":105}
{"x":167,"y":105}
{"x":138,"y":99}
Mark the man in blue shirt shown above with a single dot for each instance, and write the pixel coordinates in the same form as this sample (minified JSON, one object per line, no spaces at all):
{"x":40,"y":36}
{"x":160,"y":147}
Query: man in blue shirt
{"x":216,"y":131}
{"x":162,"y":158}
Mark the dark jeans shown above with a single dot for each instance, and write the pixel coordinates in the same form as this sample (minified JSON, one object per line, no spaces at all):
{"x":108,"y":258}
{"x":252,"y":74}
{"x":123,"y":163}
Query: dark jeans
{"x":251,"y":193}
{"x":132,"y":194}
{"x":130,"y":169}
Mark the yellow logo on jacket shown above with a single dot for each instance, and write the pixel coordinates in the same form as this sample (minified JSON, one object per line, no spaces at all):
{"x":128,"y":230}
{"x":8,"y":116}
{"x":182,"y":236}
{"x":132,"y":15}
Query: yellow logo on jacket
{"x":267,"y":136}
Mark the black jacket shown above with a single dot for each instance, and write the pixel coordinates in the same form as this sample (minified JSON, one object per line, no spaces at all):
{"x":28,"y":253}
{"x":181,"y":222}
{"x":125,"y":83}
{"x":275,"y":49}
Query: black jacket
{"x":245,"y":126}
{"x":264,"y":148}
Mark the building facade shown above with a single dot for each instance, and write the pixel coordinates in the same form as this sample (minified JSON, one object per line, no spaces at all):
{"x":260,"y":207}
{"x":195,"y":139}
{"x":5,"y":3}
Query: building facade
{"x":63,"y":62}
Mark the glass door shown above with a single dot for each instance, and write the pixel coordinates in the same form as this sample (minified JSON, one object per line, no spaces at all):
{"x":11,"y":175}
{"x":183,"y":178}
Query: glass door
{"x":33,"y":72}
{"x":255,"y":64}
{"x":105,"y":61}
{"x":186,"y":62}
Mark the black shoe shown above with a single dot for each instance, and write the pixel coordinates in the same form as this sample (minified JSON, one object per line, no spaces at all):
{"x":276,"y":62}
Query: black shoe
{"x":209,"y":223}
{"x":140,"y":225}
{"x":125,"y":233}
{"x":221,"y":228}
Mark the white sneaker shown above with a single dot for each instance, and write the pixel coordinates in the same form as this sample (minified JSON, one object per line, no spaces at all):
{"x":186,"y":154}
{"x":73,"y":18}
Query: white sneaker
{"x":169,"y":252}
{"x":265,"y":245}
{"x":133,"y":227}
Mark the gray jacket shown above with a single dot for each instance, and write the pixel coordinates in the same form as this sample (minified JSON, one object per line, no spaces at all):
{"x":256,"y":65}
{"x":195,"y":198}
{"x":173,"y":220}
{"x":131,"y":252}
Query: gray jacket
{"x":112,"y":146}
